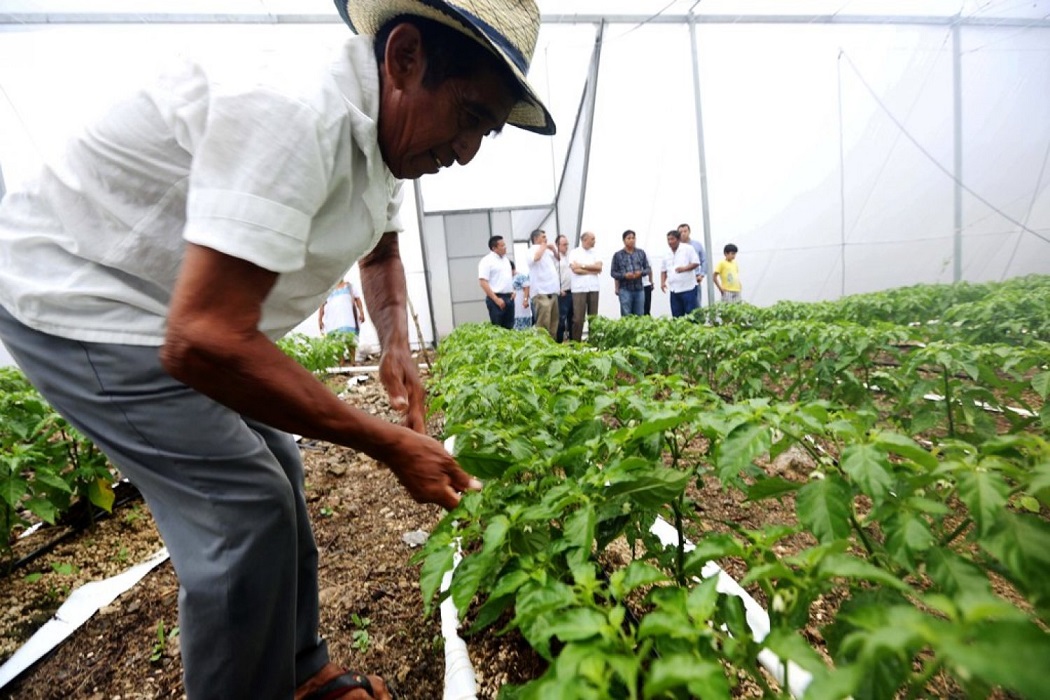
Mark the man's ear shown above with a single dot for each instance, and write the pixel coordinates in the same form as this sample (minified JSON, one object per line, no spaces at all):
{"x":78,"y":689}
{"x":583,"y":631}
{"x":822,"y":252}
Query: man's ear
{"x":405,"y":60}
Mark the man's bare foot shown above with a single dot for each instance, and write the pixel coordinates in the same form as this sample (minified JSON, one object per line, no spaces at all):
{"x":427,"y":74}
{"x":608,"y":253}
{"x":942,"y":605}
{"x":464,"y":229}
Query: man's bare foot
{"x":326,"y":684}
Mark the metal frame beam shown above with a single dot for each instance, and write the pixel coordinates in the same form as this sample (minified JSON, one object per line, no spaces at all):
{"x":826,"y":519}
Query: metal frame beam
{"x":37,"y":18}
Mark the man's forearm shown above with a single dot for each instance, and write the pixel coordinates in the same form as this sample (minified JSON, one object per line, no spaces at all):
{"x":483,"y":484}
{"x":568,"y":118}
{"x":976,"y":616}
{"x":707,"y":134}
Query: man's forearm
{"x":383,"y":282}
{"x":487,"y":288}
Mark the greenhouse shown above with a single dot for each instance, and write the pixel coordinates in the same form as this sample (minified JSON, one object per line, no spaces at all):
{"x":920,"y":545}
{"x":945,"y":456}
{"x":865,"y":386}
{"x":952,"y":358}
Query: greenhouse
{"x":838,"y":488}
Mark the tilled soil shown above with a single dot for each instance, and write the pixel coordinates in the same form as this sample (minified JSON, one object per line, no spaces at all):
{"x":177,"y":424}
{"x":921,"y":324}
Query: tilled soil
{"x":372,"y":610}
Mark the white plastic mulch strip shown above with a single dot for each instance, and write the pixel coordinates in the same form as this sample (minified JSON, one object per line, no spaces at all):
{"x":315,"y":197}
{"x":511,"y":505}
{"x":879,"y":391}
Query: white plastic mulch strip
{"x":82,"y":603}
{"x":798,"y":679}
{"x":460,"y":681}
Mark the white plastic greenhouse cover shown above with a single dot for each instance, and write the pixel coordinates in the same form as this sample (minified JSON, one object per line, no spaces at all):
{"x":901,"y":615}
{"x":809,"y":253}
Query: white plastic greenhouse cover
{"x":837,"y":135}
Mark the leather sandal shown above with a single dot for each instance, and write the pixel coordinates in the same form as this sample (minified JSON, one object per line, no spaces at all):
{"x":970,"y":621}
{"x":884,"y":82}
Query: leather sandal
{"x":341,"y":685}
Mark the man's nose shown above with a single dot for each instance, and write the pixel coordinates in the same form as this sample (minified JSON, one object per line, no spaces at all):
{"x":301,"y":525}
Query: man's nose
{"x":466,"y":146}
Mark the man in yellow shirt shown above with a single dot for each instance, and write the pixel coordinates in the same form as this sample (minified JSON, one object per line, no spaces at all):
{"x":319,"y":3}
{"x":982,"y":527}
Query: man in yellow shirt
{"x":727,"y":276}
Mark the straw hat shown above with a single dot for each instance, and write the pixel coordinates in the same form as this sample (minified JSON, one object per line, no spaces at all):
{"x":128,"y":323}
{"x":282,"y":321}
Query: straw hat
{"x":507,"y":28}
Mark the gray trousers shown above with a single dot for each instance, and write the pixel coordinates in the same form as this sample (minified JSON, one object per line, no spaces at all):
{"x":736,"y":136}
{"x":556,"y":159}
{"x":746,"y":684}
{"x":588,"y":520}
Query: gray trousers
{"x":227,"y":496}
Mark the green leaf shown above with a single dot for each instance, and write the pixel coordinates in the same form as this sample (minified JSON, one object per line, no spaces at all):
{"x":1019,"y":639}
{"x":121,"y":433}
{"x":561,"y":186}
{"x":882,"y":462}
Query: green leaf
{"x":790,"y":646}
{"x":48,"y":478}
{"x":634,"y":576}
{"x":1039,"y":483}
{"x":905,"y":447}
{"x":737,"y":452}
{"x":12,"y":489}
{"x":846,"y":566}
{"x":712,"y":547}
{"x":496,"y":533}
{"x":43,"y":509}
{"x":652,"y":489}
{"x":984,"y":493}
{"x":869,"y":468}
{"x":1022,"y":543}
{"x":1030,"y":504}
{"x":580,"y":527}
{"x":1008,"y":654}
{"x":484,"y":465}
{"x":577,"y":624}
{"x":100,"y":492}
{"x":701,"y":677}
{"x":771,"y":487}
{"x":433,"y":569}
{"x":658,"y":422}
{"x":472,"y":571}
{"x":1041,"y":384}
{"x":907,"y":537}
{"x":823,"y":507}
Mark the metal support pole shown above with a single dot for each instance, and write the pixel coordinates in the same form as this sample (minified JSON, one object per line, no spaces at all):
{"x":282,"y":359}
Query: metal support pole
{"x":420,"y":218}
{"x":702,"y":158}
{"x":957,"y":100}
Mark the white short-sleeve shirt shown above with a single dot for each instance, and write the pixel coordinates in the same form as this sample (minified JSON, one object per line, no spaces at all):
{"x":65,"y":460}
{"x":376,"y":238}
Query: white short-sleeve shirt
{"x":679,"y":282}
{"x":543,"y":273}
{"x":276,"y":162}
{"x":495,"y":270}
{"x":584,"y":283}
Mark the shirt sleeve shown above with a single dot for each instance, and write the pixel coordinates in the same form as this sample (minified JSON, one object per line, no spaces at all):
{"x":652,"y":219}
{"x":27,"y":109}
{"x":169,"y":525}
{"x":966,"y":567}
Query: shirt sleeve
{"x":261,"y":170}
{"x":617,"y":267}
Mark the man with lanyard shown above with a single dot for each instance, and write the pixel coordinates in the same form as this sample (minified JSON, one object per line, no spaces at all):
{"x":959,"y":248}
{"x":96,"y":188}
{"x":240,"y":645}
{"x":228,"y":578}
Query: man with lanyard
{"x":496,"y":277}
{"x":629,"y":266}
{"x":565,"y":308}
{"x":544,"y":281}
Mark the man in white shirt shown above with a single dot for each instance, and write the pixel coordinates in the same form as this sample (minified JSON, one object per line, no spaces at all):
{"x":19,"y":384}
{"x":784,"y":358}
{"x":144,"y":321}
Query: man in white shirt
{"x":544,"y":282}
{"x":686,"y":234}
{"x":497,"y":281}
{"x":146,"y":273}
{"x":565,"y":292}
{"x":679,"y":275}
{"x":586,"y":268}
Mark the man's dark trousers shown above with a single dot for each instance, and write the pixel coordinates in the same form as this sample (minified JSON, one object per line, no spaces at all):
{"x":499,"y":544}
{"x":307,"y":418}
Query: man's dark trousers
{"x":564,"y":316}
{"x":501,"y":317}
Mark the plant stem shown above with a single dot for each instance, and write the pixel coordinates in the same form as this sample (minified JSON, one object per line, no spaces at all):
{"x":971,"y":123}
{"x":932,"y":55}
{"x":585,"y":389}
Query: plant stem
{"x":948,"y":401}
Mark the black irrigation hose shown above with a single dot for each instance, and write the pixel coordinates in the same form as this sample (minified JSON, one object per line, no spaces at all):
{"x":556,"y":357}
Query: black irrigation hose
{"x":77,"y":519}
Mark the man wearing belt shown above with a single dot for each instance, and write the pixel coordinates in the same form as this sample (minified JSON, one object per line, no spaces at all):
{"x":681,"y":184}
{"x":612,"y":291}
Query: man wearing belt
{"x":545,"y":282}
{"x":495,"y":278}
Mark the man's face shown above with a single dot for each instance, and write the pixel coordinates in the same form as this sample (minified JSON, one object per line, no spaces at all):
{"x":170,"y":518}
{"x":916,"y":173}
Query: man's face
{"x":684,"y":231}
{"x":563,"y":245}
{"x":628,"y":241}
{"x":673,"y":243}
{"x":424,"y":129}
{"x":501,"y":248}
{"x":587,"y":241}
{"x":541,"y":239}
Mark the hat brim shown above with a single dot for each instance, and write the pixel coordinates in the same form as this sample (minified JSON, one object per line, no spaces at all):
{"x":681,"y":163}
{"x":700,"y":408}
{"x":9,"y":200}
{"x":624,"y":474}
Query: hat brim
{"x":367,"y":17}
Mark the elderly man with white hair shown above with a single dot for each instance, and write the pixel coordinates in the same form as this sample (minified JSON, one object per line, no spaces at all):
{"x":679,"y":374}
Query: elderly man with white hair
{"x":586,"y":267}
{"x":146,"y":273}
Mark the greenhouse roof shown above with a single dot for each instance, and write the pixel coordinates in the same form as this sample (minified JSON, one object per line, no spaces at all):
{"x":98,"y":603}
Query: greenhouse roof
{"x":997,"y":12}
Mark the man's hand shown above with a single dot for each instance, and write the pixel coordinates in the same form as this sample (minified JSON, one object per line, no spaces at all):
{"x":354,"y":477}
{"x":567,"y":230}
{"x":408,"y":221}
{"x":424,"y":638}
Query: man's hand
{"x":400,"y":376}
{"x":426,"y":470}
{"x":500,"y":303}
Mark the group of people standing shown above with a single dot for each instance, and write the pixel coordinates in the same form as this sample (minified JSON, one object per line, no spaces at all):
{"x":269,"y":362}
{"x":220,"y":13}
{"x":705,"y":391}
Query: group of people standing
{"x":560,"y":289}
{"x":557,"y":293}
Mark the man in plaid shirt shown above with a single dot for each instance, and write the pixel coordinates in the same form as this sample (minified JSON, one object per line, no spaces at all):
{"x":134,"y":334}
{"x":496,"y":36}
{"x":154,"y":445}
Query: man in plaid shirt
{"x":629,"y":266}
